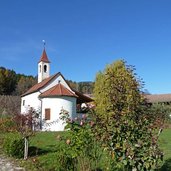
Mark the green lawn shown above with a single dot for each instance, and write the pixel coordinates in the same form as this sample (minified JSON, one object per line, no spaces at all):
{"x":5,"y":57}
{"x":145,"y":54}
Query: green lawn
{"x":46,"y":141}
{"x":165,"y":145}
{"x":44,"y":144}
{"x":43,"y":149}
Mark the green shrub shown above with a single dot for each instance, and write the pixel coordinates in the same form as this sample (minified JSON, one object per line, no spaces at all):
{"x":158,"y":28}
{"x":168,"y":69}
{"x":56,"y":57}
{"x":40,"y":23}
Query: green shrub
{"x":7,"y":124}
{"x":82,"y":151}
{"x":13,"y":145}
{"x":124,"y":121}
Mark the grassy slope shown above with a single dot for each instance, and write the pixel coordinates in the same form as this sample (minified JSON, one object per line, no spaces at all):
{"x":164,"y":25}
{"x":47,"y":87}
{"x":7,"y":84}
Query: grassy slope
{"x":165,"y":143}
{"x":46,"y":143}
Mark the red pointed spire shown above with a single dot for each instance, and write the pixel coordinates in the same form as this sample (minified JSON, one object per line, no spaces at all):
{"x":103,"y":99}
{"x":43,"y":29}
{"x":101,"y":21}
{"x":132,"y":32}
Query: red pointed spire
{"x":44,"y":57}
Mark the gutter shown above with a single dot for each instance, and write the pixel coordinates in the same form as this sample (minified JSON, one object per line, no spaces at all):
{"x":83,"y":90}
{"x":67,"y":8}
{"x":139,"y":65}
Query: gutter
{"x":40,"y":111}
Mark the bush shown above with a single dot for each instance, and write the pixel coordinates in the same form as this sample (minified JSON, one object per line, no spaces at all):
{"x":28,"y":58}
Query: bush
{"x":6,"y":124}
{"x":14,"y":145}
{"x":82,"y":151}
{"x":123,"y":119}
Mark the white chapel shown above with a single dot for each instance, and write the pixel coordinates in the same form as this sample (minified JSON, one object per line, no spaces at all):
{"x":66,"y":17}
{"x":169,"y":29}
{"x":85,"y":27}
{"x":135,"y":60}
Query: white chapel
{"x":51,"y":94}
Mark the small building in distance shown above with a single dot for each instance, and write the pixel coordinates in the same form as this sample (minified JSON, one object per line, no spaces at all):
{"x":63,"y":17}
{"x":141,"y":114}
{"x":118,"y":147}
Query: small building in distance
{"x":158,"y":98}
{"x":50,"y":95}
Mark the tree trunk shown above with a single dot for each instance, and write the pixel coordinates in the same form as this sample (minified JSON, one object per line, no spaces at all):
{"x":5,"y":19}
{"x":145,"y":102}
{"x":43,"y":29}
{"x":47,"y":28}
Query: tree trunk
{"x":25,"y":148}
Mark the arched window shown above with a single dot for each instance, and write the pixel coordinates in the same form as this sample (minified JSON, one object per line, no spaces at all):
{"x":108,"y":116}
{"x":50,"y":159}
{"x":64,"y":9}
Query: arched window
{"x":23,"y":102}
{"x":45,"y":68}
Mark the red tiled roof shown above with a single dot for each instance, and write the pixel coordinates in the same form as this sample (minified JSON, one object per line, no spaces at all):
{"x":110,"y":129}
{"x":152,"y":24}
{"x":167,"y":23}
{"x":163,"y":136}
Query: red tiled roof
{"x":58,"y":90}
{"x":155,"y":98}
{"x":40,"y":85}
{"x":81,"y":98}
{"x":44,"y":57}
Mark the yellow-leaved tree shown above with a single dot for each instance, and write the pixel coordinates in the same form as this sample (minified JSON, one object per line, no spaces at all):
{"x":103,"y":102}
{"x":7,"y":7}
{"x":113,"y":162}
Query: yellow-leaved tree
{"x":122,"y":122}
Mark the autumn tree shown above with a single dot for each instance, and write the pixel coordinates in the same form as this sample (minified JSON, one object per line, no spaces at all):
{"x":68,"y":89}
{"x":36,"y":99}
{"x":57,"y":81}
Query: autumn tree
{"x":8,"y":81}
{"x":24,"y":83}
{"x":121,"y":118}
{"x":26,"y":125}
{"x":85,"y":87}
{"x":72,"y":84}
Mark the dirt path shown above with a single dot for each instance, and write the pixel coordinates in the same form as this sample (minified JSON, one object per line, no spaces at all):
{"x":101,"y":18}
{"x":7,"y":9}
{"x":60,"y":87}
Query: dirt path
{"x":7,"y":164}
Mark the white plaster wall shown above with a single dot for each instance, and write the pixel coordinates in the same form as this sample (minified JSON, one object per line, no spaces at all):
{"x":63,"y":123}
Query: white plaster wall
{"x":55,"y":105}
{"x":31,"y":100}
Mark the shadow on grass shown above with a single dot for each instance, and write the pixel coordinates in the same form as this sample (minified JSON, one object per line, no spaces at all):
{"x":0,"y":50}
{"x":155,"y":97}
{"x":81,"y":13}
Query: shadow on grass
{"x":166,"y":166}
{"x":35,"y":151}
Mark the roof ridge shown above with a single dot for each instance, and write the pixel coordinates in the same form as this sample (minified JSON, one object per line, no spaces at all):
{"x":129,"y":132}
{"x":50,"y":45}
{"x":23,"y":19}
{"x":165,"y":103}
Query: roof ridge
{"x":60,"y":88}
{"x":40,"y":85}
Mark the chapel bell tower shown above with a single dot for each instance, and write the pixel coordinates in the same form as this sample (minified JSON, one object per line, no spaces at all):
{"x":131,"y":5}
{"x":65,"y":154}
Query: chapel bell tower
{"x":43,"y":67}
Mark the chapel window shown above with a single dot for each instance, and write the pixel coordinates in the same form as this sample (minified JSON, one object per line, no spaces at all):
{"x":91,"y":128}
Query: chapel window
{"x":23,"y":102}
{"x":47,"y":114}
{"x":45,"y":68}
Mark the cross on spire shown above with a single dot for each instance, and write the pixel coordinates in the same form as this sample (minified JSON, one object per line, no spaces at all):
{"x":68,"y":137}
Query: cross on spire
{"x":44,"y":43}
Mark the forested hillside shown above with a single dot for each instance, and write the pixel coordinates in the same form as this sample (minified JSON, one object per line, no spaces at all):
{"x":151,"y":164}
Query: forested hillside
{"x":85,"y":87}
{"x":12,"y":83}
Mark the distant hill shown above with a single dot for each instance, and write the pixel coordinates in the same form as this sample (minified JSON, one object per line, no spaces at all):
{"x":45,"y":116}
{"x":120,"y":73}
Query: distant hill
{"x":85,"y":87}
{"x":12,"y":83}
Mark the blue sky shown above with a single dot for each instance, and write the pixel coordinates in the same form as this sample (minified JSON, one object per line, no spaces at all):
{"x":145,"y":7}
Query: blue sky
{"x":82,"y":36}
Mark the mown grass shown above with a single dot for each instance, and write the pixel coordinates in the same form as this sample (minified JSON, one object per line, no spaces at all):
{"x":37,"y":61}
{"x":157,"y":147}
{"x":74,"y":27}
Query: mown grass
{"x":46,"y":141}
{"x":43,"y":147}
{"x":42,"y":150}
{"x":165,"y":145}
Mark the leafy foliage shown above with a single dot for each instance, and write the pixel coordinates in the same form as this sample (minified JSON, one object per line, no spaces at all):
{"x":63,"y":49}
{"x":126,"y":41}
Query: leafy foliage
{"x":160,"y":114}
{"x":14,"y":145}
{"x":122,"y":122}
{"x":7,"y":124}
{"x":85,"y":87}
{"x":24,"y":83}
{"x":8,"y":81}
{"x":82,"y":148}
